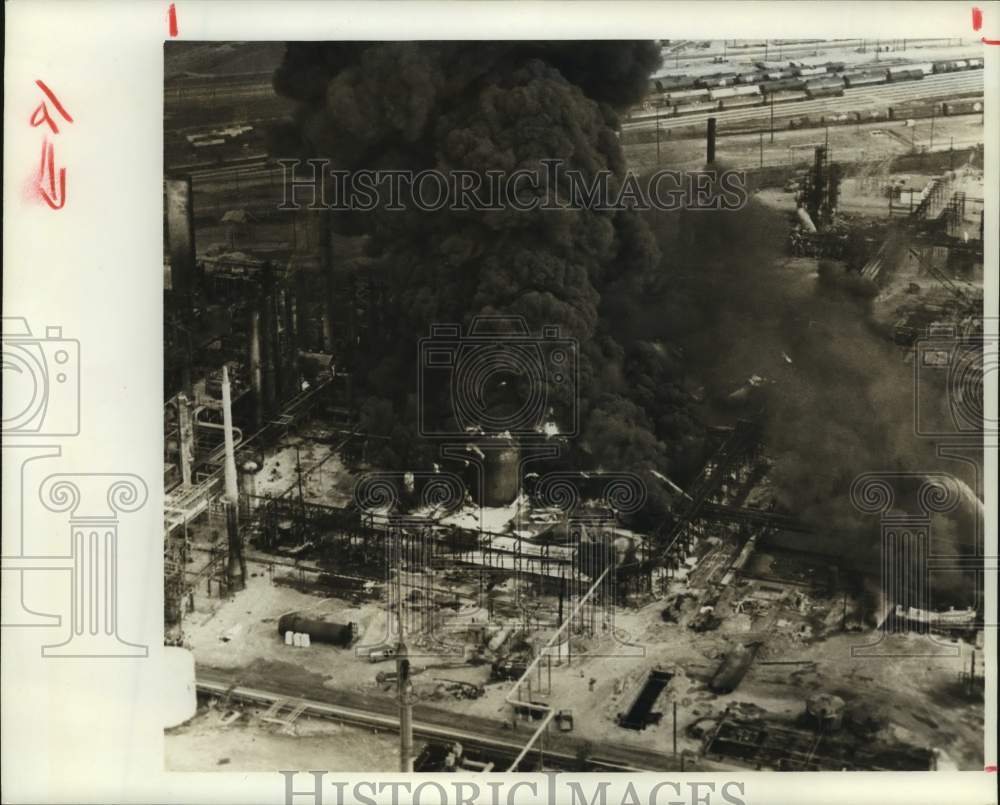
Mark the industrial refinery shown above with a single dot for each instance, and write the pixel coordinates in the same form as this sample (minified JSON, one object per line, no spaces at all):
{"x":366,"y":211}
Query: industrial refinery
{"x":552,"y":484}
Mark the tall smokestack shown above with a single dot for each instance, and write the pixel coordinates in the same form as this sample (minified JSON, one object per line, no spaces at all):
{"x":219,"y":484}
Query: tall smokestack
{"x":236,"y":564}
{"x":180,"y":240}
{"x":232,"y":491}
{"x":711,"y":141}
{"x":256,"y":373}
{"x":186,"y":437}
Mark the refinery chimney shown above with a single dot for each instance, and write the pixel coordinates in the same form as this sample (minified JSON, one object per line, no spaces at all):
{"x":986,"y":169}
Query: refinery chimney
{"x":236,"y":570}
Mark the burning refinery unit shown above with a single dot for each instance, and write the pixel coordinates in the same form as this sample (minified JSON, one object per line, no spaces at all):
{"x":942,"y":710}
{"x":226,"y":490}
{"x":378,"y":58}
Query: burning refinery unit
{"x":579,"y":489}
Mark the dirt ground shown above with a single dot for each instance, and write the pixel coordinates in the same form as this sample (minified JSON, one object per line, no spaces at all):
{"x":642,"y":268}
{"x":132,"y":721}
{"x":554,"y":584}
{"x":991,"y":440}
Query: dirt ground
{"x":207,"y":743}
{"x":920,"y":694}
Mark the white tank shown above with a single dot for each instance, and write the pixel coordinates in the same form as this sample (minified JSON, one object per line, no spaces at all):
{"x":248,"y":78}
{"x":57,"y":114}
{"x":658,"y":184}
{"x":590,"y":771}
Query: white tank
{"x":289,"y":638}
{"x":179,"y":699}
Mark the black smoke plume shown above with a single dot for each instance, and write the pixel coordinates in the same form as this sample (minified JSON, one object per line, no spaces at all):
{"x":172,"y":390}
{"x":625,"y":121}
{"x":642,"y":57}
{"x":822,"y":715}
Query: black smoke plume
{"x":494,"y":106}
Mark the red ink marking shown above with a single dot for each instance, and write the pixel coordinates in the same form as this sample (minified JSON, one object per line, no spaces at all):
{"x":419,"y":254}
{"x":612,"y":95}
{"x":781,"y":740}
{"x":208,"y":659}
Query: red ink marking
{"x":55,"y":198}
{"x":41,"y":113}
{"x":991,"y":769}
{"x":977,"y":23}
{"x":172,"y":19}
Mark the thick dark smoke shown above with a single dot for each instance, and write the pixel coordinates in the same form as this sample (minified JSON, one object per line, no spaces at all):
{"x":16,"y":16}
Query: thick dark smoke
{"x":668,"y":307}
{"x":835,"y":394}
{"x":494,"y":106}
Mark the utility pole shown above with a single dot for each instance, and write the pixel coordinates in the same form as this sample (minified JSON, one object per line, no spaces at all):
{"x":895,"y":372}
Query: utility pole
{"x":933,"y":115}
{"x":658,"y":133}
{"x":298,"y":472}
{"x":762,"y":149}
{"x":675,"y":728}
{"x":772,"y":117}
{"x":405,"y":705}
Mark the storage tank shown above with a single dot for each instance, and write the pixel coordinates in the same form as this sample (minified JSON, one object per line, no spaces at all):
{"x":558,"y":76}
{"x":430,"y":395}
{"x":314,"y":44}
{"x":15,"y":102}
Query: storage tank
{"x":179,"y":698}
{"x":825,"y":711}
{"x":498,"y":481}
{"x":335,"y":634}
{"x":733,"y":668}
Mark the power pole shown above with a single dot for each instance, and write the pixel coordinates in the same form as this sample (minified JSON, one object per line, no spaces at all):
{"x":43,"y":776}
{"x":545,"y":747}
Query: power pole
{"x":675,"y":728}
{"x":933,"y":114}
{"x":772,"y":117}
{"x":405,"y":705}
{"x":657,"y":134}
{"x":762,"y":149}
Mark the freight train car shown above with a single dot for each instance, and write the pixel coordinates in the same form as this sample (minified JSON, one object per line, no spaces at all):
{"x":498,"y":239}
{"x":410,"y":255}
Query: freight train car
{"x":687,"y":95}
{"x":950,"y":66}
{"x":730,"y":92}
{"x":907,"y":73}
{"x":976,"y":64}
{"x":807,"y":72}
{"x":782,"y":84}
{"x":862,"y":78}
{"x":825,"y":88}
{"x":962,"y":107}
{"x":719,"y":80}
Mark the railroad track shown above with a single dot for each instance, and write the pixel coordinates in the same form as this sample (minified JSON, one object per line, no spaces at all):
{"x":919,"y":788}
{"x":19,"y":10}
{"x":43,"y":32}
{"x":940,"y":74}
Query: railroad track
{"x":946,"y":85}
{"x":381,"y":715}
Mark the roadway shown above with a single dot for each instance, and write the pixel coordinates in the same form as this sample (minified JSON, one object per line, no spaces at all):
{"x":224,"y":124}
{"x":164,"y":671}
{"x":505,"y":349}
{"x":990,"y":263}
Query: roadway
{"x":854,"y":99}
{"x":381,"y":712}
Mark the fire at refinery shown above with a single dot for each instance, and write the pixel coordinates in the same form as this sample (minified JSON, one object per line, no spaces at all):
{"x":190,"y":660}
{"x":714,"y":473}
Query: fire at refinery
{"x":550,"y":483}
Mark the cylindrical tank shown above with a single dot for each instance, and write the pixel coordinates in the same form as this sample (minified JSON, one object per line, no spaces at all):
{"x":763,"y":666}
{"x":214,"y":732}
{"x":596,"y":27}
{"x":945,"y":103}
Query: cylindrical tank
{"x":336,"y":634}
{"x":179,"y":698}
{"x":825,"y":711}
{"x":733,"y":668}
{"x":248,"y":481}
{"x":500,"y":474}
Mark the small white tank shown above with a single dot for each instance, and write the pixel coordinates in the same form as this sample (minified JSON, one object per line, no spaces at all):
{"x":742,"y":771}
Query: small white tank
{"x":305,"y":640}
{"x":289,"y":637}
{"x":179,"y":698}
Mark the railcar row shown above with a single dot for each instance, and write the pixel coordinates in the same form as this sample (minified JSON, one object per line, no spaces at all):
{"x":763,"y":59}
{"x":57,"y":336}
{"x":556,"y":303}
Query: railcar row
{"x":763,"y":80}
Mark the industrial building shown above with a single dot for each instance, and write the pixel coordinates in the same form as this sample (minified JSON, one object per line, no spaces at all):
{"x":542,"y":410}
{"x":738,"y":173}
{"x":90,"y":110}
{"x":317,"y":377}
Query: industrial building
{"x":675,"y":568}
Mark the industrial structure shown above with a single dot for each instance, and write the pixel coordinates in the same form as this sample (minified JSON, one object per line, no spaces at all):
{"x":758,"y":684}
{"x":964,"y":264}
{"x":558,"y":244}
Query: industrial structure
{"x":494,"y":608}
